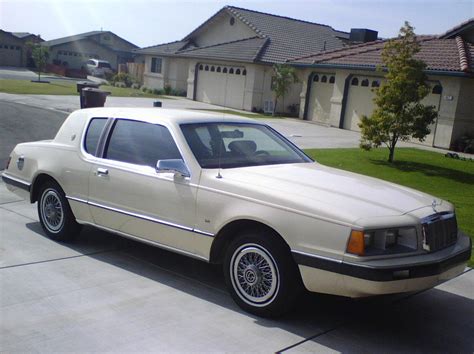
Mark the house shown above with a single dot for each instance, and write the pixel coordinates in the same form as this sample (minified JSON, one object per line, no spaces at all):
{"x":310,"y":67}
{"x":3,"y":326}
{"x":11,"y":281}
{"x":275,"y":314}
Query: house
{"x":13,"y":48}
{"x":228,"y":59}
{"x":74,"y":51}
{"x":338,"y":84}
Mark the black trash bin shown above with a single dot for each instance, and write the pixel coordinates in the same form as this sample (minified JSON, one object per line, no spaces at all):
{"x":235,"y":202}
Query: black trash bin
{"x":83,"y":84}
{"x":157,"y":104}
{"x":94,"y":97}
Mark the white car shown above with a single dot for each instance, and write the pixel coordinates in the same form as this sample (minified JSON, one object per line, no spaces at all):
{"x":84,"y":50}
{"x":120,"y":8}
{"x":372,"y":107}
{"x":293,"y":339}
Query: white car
{"x":99,"y":68}
{"x":236,"y":192}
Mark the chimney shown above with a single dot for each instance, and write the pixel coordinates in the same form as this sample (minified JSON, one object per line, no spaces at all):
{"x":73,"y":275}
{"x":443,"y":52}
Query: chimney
{"x":363,"y":35}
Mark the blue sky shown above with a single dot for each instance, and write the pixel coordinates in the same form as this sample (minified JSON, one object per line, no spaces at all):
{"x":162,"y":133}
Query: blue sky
{"x":150,"y":22}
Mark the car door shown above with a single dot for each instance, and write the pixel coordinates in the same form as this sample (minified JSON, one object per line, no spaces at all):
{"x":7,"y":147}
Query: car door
{"x":127,"y":195}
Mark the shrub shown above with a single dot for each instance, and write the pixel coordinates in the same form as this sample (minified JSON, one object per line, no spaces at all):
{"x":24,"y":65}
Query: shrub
{"x":465,"y":144}
{"x":167,"y":90}
{"x":123,"y":77}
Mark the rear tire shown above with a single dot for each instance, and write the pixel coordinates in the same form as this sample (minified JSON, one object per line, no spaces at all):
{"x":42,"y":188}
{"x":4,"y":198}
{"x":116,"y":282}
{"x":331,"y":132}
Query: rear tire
{"x":261,"y":275}
{"x":56,"y":217}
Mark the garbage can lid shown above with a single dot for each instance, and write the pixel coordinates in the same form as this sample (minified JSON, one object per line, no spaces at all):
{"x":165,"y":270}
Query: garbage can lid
{"x":95,"y":90}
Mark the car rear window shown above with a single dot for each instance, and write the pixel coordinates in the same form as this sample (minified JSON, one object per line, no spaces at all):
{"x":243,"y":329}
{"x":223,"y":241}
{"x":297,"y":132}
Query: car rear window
{"x":93,"y":133}
{"x":104,"y":65}
{"x":140,"y":143}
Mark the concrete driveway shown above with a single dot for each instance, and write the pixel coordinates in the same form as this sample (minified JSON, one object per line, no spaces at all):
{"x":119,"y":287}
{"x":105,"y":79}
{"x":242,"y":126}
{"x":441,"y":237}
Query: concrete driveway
{"x":104,"y":293}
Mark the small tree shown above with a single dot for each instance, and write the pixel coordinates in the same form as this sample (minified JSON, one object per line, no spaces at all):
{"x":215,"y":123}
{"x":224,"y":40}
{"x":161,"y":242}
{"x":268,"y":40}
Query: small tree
{"x":40,"y":55}
{"x":399,"y":115}
{"x":284,"y":76}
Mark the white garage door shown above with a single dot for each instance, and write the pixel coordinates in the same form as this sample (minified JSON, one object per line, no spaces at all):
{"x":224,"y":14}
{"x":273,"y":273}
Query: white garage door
{"x":319,"y":105}
{"x":10,"y":55}
{"x":360,"y":102}
{"x":221,"y":85}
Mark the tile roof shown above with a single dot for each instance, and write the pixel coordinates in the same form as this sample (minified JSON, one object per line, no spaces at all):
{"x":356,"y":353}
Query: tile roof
{"x":246,"y":50}
{"x":452,"y":55}
{"x":276,"y":39}
{"x":22,"y":35}
{"x":78,"y":37}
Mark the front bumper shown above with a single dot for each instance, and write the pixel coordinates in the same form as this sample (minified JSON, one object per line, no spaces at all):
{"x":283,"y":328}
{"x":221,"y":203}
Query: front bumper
{"x":357,"y":279}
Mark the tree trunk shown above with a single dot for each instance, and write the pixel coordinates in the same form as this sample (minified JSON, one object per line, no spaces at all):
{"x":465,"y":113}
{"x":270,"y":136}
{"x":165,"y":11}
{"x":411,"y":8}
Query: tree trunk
{"x":274,"y":106}
{"x":391,"y":154}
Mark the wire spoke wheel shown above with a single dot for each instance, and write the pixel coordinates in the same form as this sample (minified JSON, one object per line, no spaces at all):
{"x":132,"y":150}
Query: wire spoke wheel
{"x":254,"y":274}
{"x":52,"y":211}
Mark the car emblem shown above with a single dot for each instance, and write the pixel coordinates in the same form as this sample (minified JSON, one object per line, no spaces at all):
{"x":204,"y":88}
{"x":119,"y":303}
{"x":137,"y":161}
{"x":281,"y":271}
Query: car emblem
{"x":433,"y":205}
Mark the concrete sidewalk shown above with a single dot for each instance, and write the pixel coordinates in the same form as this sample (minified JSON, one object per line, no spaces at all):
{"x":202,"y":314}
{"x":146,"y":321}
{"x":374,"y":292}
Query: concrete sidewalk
{"x":104,"y":293}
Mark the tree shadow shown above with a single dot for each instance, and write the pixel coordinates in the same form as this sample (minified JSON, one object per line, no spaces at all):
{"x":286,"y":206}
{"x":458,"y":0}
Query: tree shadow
{"x":428,"y":170}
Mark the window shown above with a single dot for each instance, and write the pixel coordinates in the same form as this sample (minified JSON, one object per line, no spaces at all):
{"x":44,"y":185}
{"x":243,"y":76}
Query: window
{"x":201,"y":67}
{"x":94,"y":130}
{"x":231,"y":70}
{"x":316,"y":78}
{"x":232,"y":21}
{"x":156,"y":65}
{"x":17,"y":47}
{"x":437,"y":90}
{"x":364,"y":83}
{"x":140,"y":143}
{"x":213,"y":68}
{"x":324,"y":78}
{"x":332,"y":79}
{"x":376,"y":83}
{"x":224,"y":70}
{"x":206,"y":68}
{"x":244,"y":72}
{"x":229,"y":145}
{"x":355,"y":82}
{"x":237,"y":72}
{"x":218,"y":69}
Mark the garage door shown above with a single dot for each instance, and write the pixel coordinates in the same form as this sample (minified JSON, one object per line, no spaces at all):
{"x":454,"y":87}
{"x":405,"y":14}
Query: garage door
{"x":319,"y":105}
{"x":221,"y":85}
{"x":10,"y":55}
{"x":359,"y":101}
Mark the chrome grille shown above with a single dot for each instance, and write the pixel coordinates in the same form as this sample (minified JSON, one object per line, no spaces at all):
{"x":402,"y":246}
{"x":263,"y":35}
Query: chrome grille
{"x":439,"y":231}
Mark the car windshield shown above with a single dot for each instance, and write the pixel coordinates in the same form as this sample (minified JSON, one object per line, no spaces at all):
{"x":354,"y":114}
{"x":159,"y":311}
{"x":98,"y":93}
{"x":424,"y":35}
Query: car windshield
{"x":228,"y":145}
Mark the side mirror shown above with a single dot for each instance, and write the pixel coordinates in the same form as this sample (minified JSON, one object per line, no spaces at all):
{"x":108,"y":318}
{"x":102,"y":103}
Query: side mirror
{"x":176,"y":166}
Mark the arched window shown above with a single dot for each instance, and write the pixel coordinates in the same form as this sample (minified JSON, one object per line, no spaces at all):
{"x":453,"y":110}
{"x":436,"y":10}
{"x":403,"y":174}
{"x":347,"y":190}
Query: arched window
{"x":437,"y":90}
{"x":213,"y":68}
{"x":201,"y":67}
{"x":237,"y":72}
{"x":218,"y":69}
{"x":332,"y":79}
{"x":365,"y":83}
{"x":224,"y":70}
{"x":355,"y":82}
{"x":231,"y":70}
{"x":315,"y":78}
{"x":376,"y":83}
{"x":244,"y":72}
{"x":324,"y":78}
{"x":206,"y":68}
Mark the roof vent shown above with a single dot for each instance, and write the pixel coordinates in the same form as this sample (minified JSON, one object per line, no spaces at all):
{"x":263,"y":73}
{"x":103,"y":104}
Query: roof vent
{"x":363,"y":35}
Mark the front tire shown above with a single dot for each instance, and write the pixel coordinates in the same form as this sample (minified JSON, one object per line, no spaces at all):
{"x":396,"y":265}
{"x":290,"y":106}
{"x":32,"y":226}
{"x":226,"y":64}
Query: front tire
{"x":261,"y":275}
{"x":56,"y":217}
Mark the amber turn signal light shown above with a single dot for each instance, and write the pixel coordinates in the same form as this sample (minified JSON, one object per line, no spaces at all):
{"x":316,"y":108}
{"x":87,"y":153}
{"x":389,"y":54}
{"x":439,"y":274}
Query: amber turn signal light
{"x":356,"y":243}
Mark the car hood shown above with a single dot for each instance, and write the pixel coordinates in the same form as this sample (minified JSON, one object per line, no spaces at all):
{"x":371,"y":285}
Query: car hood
{"x":324,"y":191}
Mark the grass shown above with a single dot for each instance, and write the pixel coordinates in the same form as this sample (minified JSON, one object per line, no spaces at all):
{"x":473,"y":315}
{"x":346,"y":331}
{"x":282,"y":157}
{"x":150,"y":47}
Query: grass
{"x":241,"y":114}
{"x":58,"y":87}
{"x":429,"y":172}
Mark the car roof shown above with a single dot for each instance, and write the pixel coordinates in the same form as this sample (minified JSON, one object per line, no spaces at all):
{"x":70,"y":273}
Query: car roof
{"x":165,"y":115}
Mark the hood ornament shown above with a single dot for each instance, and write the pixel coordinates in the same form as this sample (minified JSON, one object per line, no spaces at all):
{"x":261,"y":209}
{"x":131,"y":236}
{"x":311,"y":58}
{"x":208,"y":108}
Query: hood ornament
{"x":433,"y":205}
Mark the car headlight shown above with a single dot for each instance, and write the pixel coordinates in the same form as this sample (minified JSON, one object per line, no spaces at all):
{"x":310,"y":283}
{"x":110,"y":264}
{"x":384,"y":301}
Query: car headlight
{"x":382,"y":242}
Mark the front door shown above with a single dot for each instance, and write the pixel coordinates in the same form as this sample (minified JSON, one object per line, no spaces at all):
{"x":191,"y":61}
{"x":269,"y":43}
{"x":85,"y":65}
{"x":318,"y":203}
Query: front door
{"x":127,"y":195}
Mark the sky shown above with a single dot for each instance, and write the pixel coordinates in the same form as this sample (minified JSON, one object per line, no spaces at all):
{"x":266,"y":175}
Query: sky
{"x":151,"y":22}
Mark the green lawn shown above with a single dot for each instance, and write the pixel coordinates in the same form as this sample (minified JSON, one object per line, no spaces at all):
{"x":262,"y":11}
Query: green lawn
{"x":429,"y":172}
{"x":57,"y":87}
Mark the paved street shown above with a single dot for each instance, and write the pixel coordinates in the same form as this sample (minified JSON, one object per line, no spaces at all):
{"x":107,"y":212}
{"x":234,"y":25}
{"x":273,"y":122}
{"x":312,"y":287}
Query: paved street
{"x":104,"y":293}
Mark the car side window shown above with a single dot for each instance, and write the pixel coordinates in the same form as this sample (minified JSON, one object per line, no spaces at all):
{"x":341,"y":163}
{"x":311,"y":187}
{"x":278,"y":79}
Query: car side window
{"x":140,"y":143}
{"x":93,"y":133}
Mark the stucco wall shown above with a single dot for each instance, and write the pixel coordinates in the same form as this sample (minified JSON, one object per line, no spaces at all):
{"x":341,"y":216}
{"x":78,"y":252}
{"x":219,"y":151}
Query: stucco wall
{"x":464,"y":119}
{"x":222,"y":31}
{"x":174,"y":73}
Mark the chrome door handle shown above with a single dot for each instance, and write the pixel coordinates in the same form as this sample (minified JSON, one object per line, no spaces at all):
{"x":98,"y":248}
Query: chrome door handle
{"x":102,"y":172}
